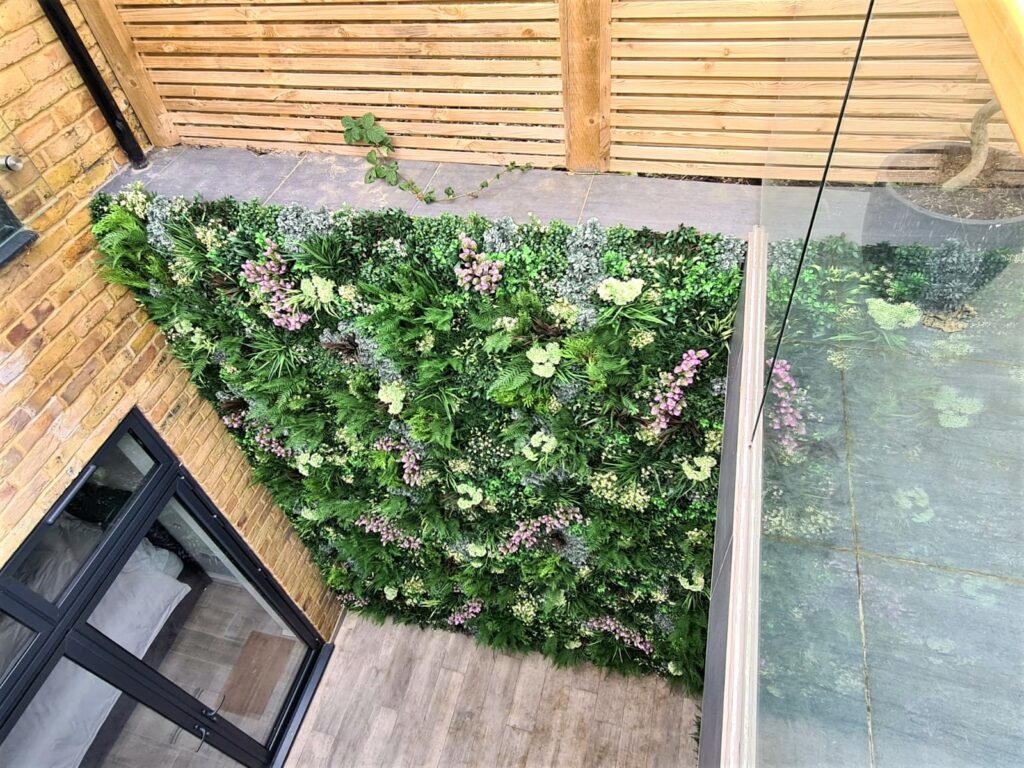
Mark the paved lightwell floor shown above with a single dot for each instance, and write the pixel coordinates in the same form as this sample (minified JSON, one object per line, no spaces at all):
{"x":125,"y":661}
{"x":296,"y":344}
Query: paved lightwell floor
{"x":334,"y":181}
{"x":892,"y":577}
{"x":401,"y":696}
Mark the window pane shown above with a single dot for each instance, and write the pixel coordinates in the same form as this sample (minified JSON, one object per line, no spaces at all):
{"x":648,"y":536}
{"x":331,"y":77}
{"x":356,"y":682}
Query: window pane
{"x":68,"y":543}
{"x":77,"y":720}
{"x":182,"y":606}
{"x":14,"y":639}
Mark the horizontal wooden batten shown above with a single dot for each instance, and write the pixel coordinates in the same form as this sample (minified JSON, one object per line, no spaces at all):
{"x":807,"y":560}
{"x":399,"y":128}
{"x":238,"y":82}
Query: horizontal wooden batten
{"x":409,"y":142}
{"x":427,"y":114}
{"x":894,"y":48}
{"x":815,"y":159}
{"x":758,"y":140}
{"x":890,"y":89}
{"x":341,"y":13}
{"x":758,"y":171}
{"x":362,"y":65}
{"x":746,"y":9}
{"x":868,"y":108}
{"x":759,"y":29}
{"x":725,"y":125}
{"x":366,"y":80}
{"x":541,"y":49}
{"x":366,"y":99}
{"x":306,"y":31}
{"x":663,"y":71}
{"x":239,"y":118}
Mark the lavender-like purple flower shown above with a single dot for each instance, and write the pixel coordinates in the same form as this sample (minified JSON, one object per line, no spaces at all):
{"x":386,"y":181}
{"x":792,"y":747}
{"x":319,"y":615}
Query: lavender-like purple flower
{"x":275,"y":291}
{"x":412,"y":471}
{"x":234,"y":420}
{"x":467,"y":613}
{"x":389,"y":532}
{"x":528,"y":532}
{"x":668,"y":402}
{"x":477,"y":272}
{"x":350,"y":599}
{"x":784,"y":414}
{"x":269,"y":444}
{"x":621,"y":633}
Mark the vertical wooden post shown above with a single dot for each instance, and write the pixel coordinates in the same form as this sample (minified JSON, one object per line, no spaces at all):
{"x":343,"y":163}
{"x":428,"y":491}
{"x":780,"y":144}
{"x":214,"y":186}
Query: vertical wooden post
{"x":585,"y":31}
{"x":119,"y":49}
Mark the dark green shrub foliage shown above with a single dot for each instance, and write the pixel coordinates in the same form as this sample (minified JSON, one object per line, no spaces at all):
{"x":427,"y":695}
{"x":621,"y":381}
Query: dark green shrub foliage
{"x":940,"y":277}
{"x":456,"y":414}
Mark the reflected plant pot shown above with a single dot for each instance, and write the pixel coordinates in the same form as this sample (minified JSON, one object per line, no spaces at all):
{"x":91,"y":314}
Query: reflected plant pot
{"x":899,"y":213}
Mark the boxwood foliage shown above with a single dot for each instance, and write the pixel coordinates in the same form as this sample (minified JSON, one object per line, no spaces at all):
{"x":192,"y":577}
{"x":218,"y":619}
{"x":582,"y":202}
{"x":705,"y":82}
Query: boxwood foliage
{"x":506,"y":430}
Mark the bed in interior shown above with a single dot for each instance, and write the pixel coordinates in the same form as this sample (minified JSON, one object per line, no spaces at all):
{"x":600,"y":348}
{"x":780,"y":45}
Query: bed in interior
{"x":75,"y":717}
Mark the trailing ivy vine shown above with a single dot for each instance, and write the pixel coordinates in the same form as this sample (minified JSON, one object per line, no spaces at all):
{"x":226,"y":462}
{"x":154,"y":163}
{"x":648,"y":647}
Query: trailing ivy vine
{"x":367,"y":131}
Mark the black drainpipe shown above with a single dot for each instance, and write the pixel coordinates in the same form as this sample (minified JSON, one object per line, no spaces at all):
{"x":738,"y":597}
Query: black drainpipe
{"x":94,"y":81}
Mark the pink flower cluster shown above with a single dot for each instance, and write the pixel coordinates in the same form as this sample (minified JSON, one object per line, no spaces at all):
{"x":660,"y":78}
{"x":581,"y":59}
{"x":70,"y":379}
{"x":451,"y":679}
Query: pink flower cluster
{"x":784,"y":415}
{"x":468,"y":612}
{"x":269,"y":444}
{"x":268,"y":276}
{"x":622,"y":633}
{"x":412,"y":472}
{"x":234,"y":420}
{"x":477,"y":272}
{"x":388,"y":531}
{"x":350,"y":599}
{"x":526,"y":535}
{"x":668,"y":400}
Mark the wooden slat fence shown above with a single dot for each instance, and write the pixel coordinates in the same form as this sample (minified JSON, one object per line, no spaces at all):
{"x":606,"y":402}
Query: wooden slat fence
{"x":472,"y":82}
{"x":753,"y":89}
{"x":728,"y":88}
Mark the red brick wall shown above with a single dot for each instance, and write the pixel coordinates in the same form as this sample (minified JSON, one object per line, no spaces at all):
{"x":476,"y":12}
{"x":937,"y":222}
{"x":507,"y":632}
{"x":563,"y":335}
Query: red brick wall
{"x":77,"y":354}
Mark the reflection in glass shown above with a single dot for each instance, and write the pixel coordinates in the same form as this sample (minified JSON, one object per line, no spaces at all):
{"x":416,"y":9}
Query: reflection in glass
{"x":77,"y":720}
{"x":14,"y":639}
{"x":891,"y":620}
{"x":182,"y":606}
{"x":75,"y":535}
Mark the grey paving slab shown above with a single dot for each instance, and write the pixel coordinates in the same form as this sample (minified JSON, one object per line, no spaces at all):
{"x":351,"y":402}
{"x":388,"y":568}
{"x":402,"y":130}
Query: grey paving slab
{"x":934,"y":491}
{"x":542,"y":193}
{"x":945,"y":659}
{"x":664,"y":204}
{"x":785,"y":211}
{"x":159,"y":159}
{"x":335,"y":181}
{"x":223,"y":172}
{"x":811,"y":704}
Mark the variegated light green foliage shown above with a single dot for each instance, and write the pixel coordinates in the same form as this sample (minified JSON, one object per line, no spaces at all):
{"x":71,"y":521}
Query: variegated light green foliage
{"x":468,"y":456}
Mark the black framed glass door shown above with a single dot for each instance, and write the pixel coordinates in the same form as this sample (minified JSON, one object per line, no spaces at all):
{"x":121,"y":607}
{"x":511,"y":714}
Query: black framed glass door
{"x":136,"y":627}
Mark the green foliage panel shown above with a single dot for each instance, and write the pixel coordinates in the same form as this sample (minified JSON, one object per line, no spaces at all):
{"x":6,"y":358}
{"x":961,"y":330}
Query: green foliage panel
{"x":506,"y":430}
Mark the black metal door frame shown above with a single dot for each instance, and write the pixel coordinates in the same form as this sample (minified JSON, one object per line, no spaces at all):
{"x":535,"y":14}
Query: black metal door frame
{"x":62,"y":630}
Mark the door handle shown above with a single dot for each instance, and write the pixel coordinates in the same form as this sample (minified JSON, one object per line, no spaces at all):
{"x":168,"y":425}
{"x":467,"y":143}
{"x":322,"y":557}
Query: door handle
{"x":212,"y":713}
{"x":201,"y":730}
